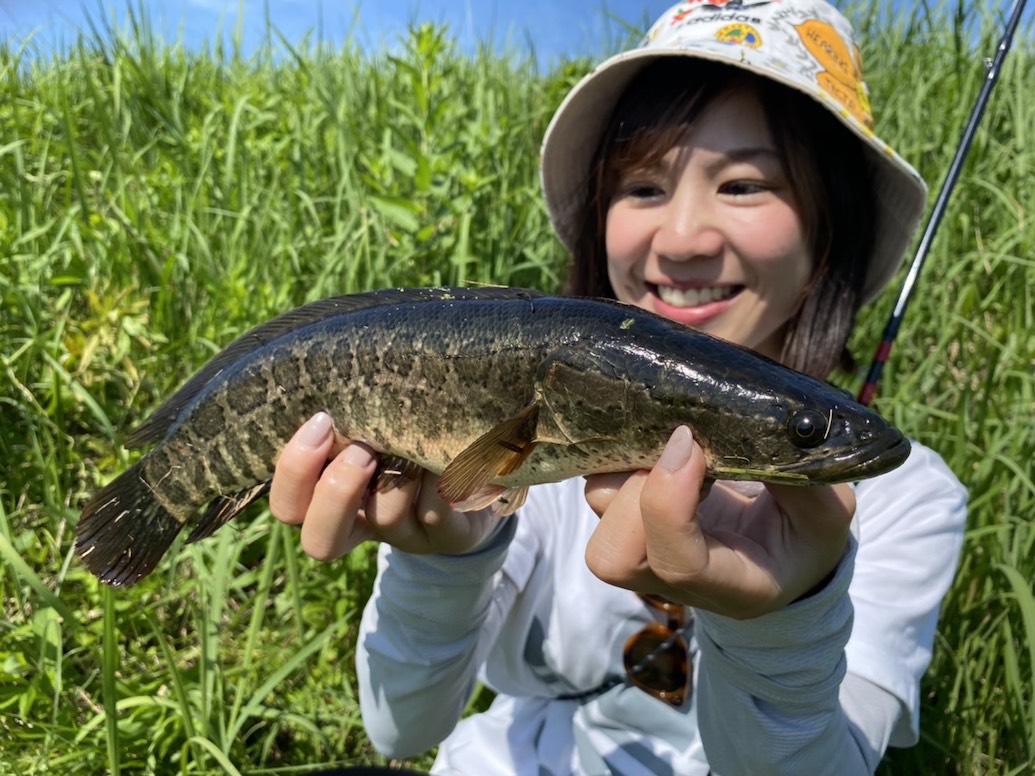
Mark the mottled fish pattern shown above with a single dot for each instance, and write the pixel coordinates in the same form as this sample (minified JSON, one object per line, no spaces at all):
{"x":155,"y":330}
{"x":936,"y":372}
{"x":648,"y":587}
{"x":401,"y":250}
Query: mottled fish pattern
{"x":494,"y":388}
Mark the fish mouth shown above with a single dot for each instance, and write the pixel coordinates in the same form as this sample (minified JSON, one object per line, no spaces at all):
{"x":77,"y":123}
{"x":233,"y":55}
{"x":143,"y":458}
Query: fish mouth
{"x":878,"y":457}
{"x":849,"y":465}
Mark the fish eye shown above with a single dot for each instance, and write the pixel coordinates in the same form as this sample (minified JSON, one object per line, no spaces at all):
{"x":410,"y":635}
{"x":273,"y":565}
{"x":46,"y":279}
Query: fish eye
{"x":807,"y":428}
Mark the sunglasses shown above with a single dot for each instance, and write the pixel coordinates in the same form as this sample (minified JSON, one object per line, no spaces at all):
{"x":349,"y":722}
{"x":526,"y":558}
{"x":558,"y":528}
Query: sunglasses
{"x":657,"y":658}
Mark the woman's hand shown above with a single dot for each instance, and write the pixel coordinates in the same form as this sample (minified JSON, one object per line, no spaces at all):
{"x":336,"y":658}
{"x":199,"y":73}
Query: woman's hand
{"x":733,"y":554}
{"x":337,"y":509}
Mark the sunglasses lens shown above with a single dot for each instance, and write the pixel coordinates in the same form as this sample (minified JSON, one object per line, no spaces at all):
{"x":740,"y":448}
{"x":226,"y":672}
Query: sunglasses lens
{"x":657,"y":662}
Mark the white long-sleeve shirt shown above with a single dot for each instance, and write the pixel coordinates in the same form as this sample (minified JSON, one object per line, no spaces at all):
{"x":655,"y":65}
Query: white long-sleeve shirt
{"x":800,"y":690}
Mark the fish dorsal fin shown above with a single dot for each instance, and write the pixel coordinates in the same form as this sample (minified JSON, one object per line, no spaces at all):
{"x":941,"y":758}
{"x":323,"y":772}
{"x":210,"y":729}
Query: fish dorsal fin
{"x":496,"y":453}
{"x":157,"y":425}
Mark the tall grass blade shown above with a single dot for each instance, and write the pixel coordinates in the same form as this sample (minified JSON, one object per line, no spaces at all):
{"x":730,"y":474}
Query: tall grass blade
{"x":1022,"y":592}
{"x":221,"y":758}
{"x":110,"y":668}
{"x":263,"y":691}
{"x":23,"y":572}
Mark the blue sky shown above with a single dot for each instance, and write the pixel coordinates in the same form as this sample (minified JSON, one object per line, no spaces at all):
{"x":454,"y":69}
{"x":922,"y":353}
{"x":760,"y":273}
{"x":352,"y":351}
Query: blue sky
{"x":555,"y":27}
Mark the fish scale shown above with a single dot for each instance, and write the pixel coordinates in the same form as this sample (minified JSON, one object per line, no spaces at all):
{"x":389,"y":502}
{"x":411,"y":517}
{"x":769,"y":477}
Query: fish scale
{"x":496,"y":389}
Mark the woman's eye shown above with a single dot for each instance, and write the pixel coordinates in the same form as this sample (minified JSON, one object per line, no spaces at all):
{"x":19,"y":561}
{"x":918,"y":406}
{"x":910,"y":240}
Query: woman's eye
{"x":644,"y":191}
{"x":640,"y":190}
{"x":743,"y":188}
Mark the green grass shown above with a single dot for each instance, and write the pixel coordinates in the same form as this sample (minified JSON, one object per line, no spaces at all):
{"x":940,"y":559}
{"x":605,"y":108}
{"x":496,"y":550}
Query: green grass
{"x":156,"y":202}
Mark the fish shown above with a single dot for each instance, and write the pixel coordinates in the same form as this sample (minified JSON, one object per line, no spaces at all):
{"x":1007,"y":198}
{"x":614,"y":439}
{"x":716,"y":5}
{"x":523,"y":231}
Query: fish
{"x":496,"y":389}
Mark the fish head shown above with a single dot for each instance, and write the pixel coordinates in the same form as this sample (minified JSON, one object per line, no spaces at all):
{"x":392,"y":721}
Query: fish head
{"x":818,"y":437}
{"x":758,"y":419}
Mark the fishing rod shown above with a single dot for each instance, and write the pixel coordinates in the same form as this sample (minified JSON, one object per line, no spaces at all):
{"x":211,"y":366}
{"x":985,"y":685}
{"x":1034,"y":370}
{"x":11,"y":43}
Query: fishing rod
{"x":869,"y":388}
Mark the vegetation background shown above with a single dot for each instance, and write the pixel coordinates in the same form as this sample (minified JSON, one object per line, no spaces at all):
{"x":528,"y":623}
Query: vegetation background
{"x":156,"y":202}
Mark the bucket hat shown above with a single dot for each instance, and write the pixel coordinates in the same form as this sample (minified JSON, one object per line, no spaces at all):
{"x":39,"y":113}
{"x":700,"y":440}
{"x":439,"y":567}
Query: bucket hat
{"x":806,"y":45}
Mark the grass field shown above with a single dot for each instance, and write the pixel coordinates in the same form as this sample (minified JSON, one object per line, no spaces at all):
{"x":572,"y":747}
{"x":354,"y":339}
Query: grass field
{"x":156,"y":202}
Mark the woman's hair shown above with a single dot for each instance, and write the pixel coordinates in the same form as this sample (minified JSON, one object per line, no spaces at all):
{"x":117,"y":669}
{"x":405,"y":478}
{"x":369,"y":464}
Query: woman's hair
{"x":824,"y":162}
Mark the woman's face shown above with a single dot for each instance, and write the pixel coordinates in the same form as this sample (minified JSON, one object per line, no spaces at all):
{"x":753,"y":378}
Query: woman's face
{"x":711,"y":236}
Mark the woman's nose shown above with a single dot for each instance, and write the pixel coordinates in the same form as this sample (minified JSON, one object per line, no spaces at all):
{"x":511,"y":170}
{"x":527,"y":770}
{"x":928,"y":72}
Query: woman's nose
{"x":687,"y":230}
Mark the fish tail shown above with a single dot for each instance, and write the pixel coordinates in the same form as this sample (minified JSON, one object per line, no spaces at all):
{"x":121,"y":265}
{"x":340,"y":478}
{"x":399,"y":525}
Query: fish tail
{"x":124,"y":531}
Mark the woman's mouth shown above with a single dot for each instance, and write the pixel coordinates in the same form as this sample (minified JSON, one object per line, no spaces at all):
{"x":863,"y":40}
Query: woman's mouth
{"x":694,"y":297}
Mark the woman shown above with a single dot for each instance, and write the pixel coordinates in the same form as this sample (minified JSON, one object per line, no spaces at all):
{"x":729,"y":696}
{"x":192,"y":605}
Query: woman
{"x":722,"y":174}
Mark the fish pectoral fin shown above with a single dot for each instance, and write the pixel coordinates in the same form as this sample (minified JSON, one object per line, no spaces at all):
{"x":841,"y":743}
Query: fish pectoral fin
{"x":496,"y":453}
{"x":504,"y":501}
{"x":224,"y":509}
{"x":509,"y":501}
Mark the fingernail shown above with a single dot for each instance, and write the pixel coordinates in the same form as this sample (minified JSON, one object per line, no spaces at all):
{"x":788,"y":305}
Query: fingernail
{"x":315,"y":430}
{"x":677,"y":451}
{"x":357,"y":455}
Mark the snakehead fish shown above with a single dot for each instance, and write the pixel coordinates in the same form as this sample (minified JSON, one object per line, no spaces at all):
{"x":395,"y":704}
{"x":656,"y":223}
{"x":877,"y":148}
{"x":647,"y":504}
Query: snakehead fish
{"x":496,"y":389}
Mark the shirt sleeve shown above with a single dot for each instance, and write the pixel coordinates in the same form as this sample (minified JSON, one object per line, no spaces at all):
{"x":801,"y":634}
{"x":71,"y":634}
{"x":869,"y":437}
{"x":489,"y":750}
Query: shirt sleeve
{"x":423,"y":635}
{"x":769,"y":687}
{"x":911,"y":524}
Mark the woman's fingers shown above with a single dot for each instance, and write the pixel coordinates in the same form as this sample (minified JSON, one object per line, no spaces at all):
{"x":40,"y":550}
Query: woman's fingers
{"x":676,"y":546}
{"x":818,"y":522}
{"x":324,"y":498}
{"x":601,"y":489}
{"x":616,"y":552}
{"x":824,"y":512}
{"x":452,"y":532}
{"x":390,"y":515}
{"x":298,"y":469}
{"x":648,"y":532}
{"x":740,"y":553}
{"x":337,"y":509}
{"x":332,"y":524}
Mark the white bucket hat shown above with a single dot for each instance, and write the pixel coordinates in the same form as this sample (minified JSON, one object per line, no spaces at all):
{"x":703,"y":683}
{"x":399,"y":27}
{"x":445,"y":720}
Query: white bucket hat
{"x":804,"y":44}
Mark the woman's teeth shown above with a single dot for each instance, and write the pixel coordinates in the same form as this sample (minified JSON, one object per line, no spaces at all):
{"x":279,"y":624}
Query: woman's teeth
{"x":692,"y":297}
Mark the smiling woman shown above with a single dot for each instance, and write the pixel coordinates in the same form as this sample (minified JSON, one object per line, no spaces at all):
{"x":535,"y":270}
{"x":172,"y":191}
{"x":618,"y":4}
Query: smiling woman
{"x":717,"y":216}
{"x":780,"y":172}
